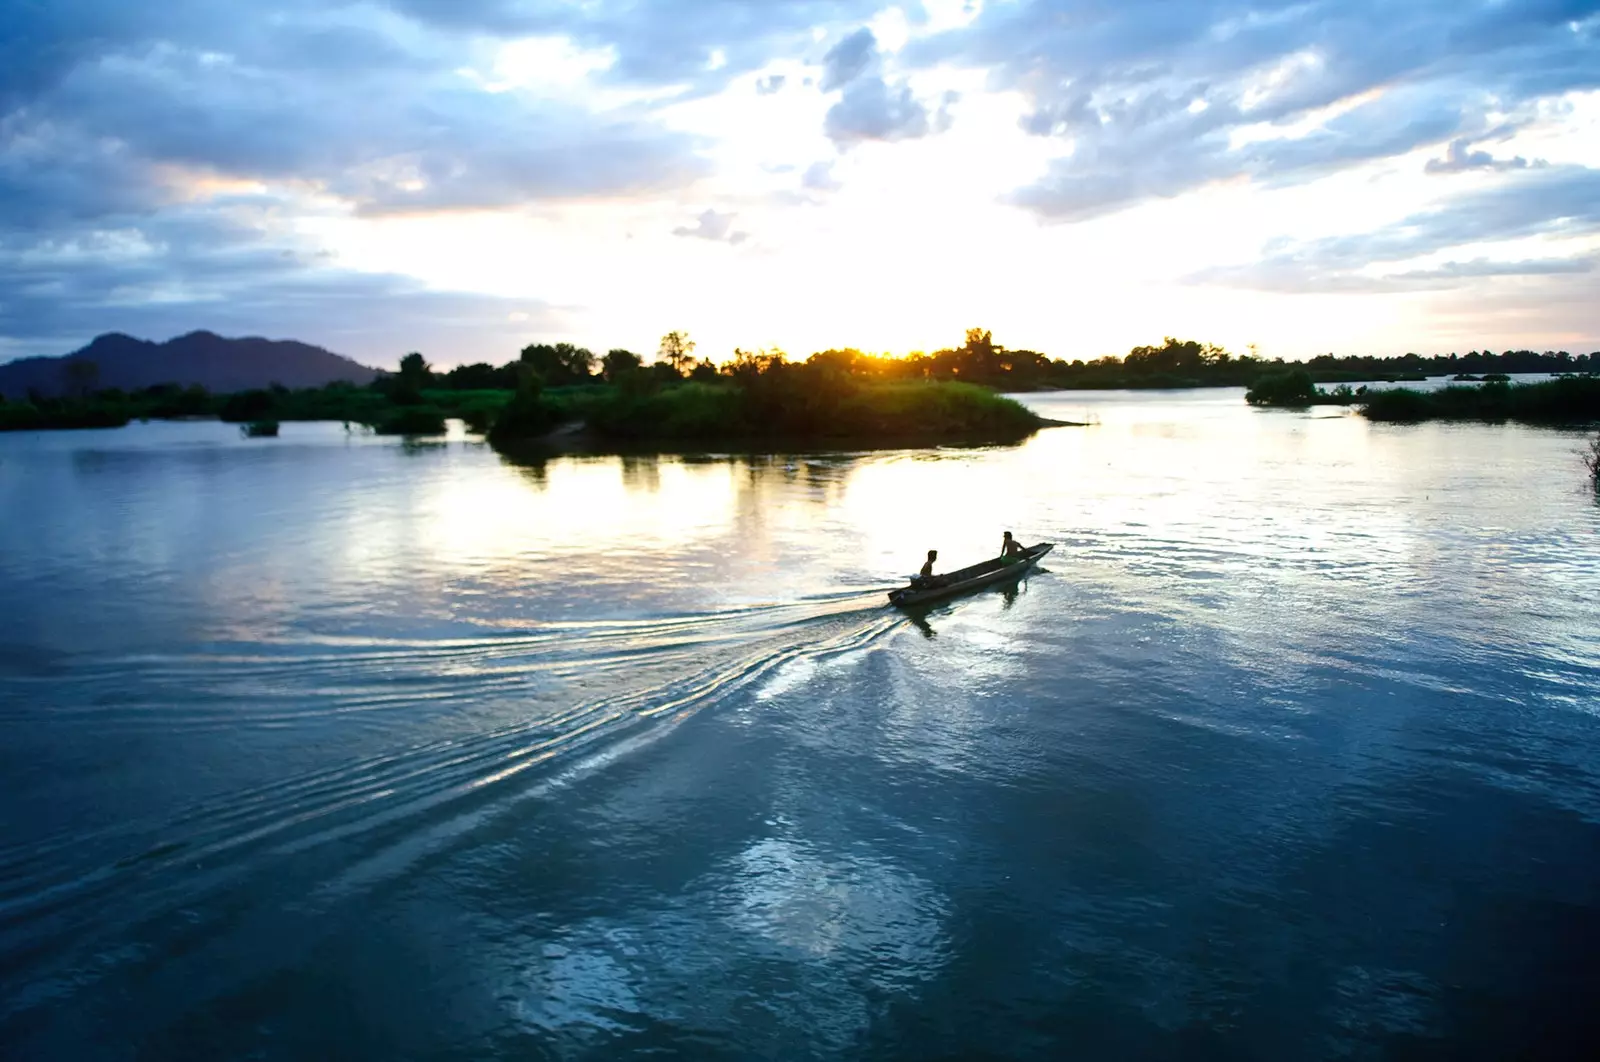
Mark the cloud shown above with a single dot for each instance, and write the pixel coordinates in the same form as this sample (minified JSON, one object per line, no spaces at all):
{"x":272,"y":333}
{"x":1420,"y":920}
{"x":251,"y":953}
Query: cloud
{"x":1556,"y":202}
{"x":197,"y":269}
{"x":1152,"y":99}
{"x":848,"y":59}
{"x":770,"y":84}
{"x":871,"y":110}
{"x":713,"y":226}
{"x":667,"y":42}
{"x":819,"y":178}
{"x":1460,"y":158}
{"x":870,"y":107}
{"x":385,"y":140}
{"x":148,"y":155}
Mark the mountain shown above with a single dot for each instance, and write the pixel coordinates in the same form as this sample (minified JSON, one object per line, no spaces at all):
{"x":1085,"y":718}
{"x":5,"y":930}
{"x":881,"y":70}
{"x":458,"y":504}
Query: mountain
{"x":217,"y":364}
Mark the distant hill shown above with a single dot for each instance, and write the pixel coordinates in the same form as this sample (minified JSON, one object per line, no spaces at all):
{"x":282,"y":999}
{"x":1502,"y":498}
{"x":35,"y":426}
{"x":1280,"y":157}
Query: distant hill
{"x":217,"y":364}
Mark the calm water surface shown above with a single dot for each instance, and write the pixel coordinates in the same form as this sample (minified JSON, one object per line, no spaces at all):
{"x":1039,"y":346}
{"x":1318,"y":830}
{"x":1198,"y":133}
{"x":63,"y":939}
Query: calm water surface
{"x":333,"y":747}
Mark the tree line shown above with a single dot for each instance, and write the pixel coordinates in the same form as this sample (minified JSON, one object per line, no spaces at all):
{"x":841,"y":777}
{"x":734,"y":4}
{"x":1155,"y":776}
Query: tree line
{"x":980,"y":360}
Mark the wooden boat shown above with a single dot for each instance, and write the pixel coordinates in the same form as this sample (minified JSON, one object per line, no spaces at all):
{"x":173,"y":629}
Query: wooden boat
{"x":978,"y":575}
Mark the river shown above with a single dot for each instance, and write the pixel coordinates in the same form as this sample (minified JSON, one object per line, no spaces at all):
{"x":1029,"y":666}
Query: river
{"x":330,"y":746}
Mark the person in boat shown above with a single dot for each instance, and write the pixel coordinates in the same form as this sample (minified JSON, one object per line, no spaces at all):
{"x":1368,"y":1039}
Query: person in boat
{"x":925,"y":576}
{"x":1011,"y":550}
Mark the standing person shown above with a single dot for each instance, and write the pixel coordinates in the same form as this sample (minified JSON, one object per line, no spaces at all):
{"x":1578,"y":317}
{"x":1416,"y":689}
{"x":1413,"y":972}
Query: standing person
{"x":1010,"y":549}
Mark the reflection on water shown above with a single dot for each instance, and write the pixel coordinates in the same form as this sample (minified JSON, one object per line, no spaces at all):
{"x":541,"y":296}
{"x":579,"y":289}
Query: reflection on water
{"x":338,"y":746}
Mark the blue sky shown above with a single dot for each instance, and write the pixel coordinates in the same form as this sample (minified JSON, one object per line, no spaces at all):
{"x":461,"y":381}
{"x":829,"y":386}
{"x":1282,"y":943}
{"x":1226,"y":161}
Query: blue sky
{"x":462,"y":177}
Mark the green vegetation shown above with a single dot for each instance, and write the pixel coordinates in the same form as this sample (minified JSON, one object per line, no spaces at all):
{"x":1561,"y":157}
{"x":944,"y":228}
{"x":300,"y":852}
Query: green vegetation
{"x":1294,"y":389}
{"x":110,"y":408}
{"x":527,"y":415}
{"x":260,"y":429}
{"x":1187,"y":363}
{"x":842,"y":397}
{"x":1564,"y":400}
{"x":411,"y":420}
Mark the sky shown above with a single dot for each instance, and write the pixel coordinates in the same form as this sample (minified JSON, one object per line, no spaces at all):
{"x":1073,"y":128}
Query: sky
{"x":465,"y":177}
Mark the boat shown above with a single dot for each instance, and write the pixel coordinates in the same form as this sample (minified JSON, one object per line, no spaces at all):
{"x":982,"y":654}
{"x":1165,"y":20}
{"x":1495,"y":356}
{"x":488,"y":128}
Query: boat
{"x":960,"y":581}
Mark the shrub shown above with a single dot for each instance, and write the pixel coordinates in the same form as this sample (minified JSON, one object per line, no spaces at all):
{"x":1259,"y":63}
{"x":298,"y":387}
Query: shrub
{"x":247,"y":406}
{"x":526,"y":416}
{"x":411,"y":420}
{"x":1398,"y":404}
{"x":260,"y":429}
{"x":1291,"y":388}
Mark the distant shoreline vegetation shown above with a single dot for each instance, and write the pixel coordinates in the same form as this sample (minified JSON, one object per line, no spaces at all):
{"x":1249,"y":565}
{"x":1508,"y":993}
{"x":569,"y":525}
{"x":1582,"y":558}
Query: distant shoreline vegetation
{"x":1569,"y":399}
{"x":565,"y":395}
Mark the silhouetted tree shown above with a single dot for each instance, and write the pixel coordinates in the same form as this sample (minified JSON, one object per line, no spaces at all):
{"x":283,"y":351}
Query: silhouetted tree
{"x":676,"y":350}
{"x":560,"y":364}
{"x":413,"y":377}
{"x":619,"y":363}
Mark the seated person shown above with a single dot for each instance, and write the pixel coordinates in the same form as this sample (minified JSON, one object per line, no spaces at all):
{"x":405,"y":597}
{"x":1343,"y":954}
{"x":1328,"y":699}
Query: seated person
{"x":1010,"y":549}
{"x":925,"y":576}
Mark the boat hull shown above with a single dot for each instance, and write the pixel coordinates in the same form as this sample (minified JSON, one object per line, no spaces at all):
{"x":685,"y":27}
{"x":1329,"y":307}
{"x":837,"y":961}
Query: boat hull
{"x":976,"y":577}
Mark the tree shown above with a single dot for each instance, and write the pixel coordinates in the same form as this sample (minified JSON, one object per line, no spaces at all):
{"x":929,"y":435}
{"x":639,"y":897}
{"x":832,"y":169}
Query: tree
{"x":619,"y":363}
{"x":677,"y":350}
{"x":747,"y":365}
{"x":560,"y":364}
{"x":413,"y":377}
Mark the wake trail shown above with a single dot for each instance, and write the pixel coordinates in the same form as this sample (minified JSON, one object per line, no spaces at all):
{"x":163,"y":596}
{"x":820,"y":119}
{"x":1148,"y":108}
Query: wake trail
{"x":352,"y":825}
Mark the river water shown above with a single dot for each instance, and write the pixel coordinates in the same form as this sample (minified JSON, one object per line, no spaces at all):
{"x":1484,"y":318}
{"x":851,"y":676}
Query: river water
{"x":329,"y":746}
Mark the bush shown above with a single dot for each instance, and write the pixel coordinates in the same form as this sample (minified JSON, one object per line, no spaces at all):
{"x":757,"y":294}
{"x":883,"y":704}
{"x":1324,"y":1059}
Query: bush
{"x":1399,"y":404}
{"x":247,"y":406}
{"x":260,"y":429}
{"x":526,"y":416}
{"x":1290,"y":388}
{"x":1566,"y":400}
{"x":411,"y":420}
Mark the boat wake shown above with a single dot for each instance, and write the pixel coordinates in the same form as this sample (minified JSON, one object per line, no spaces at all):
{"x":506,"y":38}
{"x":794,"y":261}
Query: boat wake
{"x":507,"y":720}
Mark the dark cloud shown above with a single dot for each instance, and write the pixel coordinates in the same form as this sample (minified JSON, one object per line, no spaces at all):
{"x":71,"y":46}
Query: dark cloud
{"x":1155,"y":98}
{"x":1554,"y":202}
{"x":711,"y":225}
